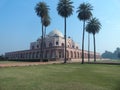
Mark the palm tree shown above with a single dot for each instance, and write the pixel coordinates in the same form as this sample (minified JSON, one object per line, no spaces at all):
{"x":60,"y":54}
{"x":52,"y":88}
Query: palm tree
{"x":84,"y":13}
{"x":94,"y":27}
{"x":42,"y":11}
{"x":65,"y":9}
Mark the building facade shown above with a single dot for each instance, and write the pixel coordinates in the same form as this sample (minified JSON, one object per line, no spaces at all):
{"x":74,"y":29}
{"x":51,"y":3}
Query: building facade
{"x":53,"y":49}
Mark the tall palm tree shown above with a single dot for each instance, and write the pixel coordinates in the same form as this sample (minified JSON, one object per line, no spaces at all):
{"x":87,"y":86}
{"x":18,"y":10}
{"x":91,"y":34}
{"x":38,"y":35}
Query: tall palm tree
{"x":84,"y":14}
{"x":94,"y":27}
{"x":42,"y":10}
{"x":65,"y":9}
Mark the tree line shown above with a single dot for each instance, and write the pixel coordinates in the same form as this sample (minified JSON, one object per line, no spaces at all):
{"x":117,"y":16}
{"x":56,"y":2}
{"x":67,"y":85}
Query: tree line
{"x":3,"y":58}
{"x":112,"y":55}
{"x":65,"y":10}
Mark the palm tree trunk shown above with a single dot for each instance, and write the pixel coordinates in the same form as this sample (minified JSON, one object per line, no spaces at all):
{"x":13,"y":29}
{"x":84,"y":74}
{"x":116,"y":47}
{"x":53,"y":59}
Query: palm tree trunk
{"x":44,"y":37}
{"x":42,"y":44}
{"x":65,"y":42}
{"x":88,"y":47}
{"x":45,"y":32}
{"x":83,"y":42}
{"x":94,"y":48}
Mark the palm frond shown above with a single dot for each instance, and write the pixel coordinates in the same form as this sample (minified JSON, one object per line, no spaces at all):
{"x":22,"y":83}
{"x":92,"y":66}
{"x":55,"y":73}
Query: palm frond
{"x":84,"y":11}
{"x":46,"y":21}
{"x":93,"y":26}
{"x":65,"y":8}
{"x":42,"y":9}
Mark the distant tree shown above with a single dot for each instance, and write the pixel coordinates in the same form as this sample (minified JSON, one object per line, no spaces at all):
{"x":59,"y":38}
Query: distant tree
{"x":107,"y":54}
{"x":2,"y":57}
{"x":84,"y":14}
{"x":42,"y":10}
{"x":119,"y":55}
{"x":94,"y":27}
{"x":116,"y":52}
{"x":65,"y":9}
{"x":110,"y":55}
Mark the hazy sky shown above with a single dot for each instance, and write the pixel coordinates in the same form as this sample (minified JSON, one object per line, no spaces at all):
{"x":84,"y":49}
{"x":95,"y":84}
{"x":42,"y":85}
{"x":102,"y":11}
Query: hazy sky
{"x":19,"y":24}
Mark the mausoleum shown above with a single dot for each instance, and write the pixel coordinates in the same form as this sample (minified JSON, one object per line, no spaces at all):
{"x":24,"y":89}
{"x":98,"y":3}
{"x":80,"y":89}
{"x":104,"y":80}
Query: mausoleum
{"x":53,"y":49}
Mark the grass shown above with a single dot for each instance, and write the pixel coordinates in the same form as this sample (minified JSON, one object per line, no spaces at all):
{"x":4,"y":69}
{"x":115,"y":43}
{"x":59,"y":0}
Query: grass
{"x":61,"y":77}
{"x":7,"y":62}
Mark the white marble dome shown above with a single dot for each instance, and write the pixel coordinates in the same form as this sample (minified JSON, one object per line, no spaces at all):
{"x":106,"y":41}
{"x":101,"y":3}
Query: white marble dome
{"x":55,"y":33}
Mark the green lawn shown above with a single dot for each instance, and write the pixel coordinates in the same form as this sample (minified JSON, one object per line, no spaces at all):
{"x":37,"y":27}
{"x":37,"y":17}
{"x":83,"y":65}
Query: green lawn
{"x":6,"y":62}
{"x":61,"y":77}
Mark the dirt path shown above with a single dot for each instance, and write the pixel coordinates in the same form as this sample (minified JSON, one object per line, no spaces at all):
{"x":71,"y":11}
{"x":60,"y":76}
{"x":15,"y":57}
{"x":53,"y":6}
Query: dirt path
{"x":15,"y":64}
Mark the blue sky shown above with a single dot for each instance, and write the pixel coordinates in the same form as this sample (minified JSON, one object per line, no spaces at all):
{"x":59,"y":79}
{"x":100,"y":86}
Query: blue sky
{"x":19,"y":24}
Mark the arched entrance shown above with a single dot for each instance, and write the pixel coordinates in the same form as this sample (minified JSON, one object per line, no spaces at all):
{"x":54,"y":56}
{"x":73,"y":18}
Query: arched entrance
{"x":71,"y":54}
{"x":67,"y":54}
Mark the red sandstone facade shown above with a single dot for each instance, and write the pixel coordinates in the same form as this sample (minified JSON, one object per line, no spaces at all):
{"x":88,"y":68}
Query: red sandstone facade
{"x":53,"y":49}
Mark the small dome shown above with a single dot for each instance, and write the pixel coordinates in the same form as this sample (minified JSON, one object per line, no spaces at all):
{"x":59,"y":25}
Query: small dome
{"x":55,"y":33}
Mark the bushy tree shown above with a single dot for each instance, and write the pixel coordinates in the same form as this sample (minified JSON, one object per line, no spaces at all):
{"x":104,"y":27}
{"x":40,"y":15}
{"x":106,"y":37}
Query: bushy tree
{"x":110,"y":55}
{"x":119,"y":55}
